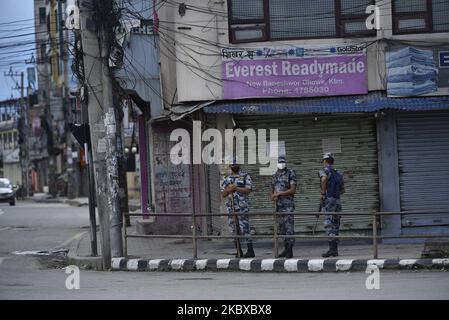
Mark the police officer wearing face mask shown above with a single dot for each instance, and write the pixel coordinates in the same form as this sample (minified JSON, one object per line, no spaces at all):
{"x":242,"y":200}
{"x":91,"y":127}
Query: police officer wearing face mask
{"x":236,"y":187}
{"x":283,"y":188}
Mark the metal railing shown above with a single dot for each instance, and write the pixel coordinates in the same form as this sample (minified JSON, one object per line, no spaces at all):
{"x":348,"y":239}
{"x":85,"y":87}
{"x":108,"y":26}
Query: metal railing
{"x":375,"y":237}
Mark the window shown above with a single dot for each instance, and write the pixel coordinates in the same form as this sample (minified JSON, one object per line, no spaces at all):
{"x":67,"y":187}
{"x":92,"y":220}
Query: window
{"x":415,"y":16}
{"x":10,"y":146}
{"x":264,"y":20}
{"x":42,"y":15}
{"x":43,"y":56}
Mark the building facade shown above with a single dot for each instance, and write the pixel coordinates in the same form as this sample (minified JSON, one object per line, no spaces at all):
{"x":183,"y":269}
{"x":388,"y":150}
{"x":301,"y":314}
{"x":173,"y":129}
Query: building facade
{"x":370,"y":87}
{"x":59,"y":166}
{"x":10,"y":167}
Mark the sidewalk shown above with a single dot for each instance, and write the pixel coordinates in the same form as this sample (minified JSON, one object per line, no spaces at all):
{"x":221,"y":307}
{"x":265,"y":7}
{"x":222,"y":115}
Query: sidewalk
{"x":218,"y":255}
{"x":134,"y":204}
{"x":46,"y":198}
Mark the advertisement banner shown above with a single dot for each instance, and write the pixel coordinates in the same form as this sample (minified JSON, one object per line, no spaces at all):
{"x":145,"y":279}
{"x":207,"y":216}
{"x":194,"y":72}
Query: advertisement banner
{"x":294,"y":72}
{"x":417,"y":71}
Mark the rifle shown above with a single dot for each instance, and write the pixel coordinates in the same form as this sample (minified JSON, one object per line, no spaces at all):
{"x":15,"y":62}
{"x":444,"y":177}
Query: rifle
{"x":320,"y":207}
{"x":237,"y":225}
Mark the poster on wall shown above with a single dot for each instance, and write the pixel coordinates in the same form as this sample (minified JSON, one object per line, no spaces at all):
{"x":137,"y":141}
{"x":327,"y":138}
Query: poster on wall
{"x":417,"y":71}
{"x":294,"y":72}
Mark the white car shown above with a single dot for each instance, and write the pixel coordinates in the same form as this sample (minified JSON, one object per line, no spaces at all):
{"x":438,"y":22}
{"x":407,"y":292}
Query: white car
{"x":7,"y":194}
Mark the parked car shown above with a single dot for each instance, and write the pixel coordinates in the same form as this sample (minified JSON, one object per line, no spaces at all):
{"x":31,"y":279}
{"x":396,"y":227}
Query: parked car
{"x":7,"y":194}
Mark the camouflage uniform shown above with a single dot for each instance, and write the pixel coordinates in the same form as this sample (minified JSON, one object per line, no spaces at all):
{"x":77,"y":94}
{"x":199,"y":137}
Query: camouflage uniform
{"x":241,"y":203}
{"x":332,"y":203}
{"x":282,"y":181}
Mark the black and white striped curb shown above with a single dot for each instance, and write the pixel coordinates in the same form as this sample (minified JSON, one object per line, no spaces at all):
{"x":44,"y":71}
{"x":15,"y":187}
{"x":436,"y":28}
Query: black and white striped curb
{"x":274,"y":265}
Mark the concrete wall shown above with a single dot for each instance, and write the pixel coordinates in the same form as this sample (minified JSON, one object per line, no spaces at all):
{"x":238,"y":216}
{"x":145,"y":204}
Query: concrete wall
{"x":190,"y":49}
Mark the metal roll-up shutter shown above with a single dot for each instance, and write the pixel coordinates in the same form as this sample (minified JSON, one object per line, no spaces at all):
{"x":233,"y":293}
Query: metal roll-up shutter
{"x":423,"y":151}
{"x":303,"y":136}
{"x":215,"y":223}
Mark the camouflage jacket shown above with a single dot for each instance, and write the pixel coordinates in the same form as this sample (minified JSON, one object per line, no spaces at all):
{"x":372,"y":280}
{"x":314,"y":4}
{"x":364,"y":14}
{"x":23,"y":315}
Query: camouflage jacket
{"x":241,"y":201}
{"x":282,"y":181}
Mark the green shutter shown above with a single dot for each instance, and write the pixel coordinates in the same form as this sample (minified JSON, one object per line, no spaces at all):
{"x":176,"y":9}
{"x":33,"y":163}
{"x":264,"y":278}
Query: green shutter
{"x":303,"y":142}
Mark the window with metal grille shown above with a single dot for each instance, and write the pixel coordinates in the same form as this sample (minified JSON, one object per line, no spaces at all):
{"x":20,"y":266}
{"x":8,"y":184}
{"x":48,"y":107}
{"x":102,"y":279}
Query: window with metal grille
{"x":418,"y":16}
{"x":42,"y":15}
{"x":265,"y":20}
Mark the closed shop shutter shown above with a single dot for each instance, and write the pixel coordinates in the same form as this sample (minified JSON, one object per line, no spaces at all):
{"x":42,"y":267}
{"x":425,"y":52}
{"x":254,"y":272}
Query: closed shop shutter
{"x":423,"y":150}
{"x":215,"y":222}
{"x":355,"y":138}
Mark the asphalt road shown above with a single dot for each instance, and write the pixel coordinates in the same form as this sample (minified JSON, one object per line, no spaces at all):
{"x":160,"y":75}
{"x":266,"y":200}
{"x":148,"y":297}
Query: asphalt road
{"x":38,"y":226}
{"x":30,"y":226}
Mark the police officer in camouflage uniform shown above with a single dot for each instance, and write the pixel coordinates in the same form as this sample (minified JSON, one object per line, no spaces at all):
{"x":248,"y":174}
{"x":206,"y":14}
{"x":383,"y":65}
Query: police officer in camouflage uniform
{"x":332,"y":186}
{"x":283,"y":189}
{"x":236,"y":186}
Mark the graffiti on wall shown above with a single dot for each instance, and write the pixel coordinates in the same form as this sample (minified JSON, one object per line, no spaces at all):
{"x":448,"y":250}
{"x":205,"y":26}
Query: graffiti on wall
{"x":173,"y":190}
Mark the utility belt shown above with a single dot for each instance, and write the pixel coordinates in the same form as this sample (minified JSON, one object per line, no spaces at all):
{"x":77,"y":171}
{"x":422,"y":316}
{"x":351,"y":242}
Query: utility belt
{"x":239,"y":210}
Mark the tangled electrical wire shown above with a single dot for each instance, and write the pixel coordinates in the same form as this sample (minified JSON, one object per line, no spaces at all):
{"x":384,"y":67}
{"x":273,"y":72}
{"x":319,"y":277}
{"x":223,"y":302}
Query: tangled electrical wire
{"x":107,"y":15}
{"x":77,"y":62}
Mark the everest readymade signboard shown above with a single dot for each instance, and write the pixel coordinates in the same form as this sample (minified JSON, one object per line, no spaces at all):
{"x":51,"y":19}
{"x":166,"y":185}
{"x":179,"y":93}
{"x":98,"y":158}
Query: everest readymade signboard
{"x":294,"y":72}
{"x":417,"y":71}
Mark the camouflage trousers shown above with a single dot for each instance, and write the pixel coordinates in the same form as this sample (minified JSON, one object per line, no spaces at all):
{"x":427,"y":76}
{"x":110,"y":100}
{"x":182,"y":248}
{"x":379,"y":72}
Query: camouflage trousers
{"x":286,"y":224}
{"x":332,"y":222}
{"x":243,"y":222}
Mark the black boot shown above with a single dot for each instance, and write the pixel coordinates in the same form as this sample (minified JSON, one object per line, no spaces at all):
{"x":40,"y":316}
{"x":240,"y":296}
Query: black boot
{"x":250,"y":252}
{"x":288,"y":251}
{"x":289,"y":254}
{"x":284,"y":252}
{"x":239,"y":253}
{"x":333,"y":250}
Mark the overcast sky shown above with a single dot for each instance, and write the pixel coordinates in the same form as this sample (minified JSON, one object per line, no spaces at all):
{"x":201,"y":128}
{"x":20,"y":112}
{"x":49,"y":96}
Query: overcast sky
{"x":10,"y":13}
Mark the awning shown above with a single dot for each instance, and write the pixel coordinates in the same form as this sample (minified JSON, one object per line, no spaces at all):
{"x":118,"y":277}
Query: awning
{"x":178,"y":112}
{"x":371,"y":102}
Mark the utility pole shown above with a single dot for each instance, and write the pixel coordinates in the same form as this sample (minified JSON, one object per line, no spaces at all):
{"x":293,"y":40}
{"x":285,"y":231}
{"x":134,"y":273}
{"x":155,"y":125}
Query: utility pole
{"x":23,"y":130}
{"x":52,"y":141}
{"x":27,"y":155}
{"x":102,"y":124}
{"x":93,"y":69}
{"x":81,"y":134}
{"x":113,"y":154}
